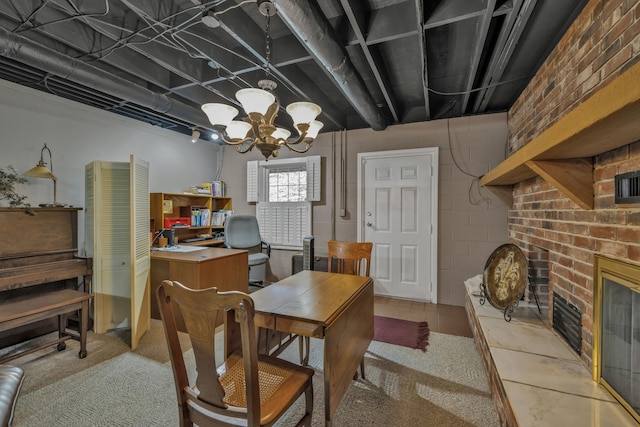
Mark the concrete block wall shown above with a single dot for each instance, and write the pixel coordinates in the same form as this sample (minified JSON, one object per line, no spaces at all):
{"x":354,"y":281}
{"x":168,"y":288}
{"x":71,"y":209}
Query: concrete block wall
{"x":469,"y":227}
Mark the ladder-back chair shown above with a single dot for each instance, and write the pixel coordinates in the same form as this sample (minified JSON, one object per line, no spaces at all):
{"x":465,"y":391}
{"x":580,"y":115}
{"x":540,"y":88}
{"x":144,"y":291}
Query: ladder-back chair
{"x":246,"y":389}
{"x":349,"y":257}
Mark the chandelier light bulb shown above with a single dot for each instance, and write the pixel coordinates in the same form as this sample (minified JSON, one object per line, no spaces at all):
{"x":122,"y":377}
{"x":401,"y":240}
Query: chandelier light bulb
{"x":303,"y":112}
{"x":219,"y":114}
{"x":314,"y":129}
{"x":281,"y":133}
{"x":255,"y":100}
{"x":238,"y":129}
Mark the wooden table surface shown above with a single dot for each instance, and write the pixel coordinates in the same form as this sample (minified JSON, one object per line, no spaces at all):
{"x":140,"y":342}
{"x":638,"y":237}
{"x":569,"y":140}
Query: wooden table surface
{"x":335,"y":307}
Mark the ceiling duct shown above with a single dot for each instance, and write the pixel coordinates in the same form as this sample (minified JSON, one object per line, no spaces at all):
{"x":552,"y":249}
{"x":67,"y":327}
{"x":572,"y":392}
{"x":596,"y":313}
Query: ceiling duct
{"x":24,"y":50}
{"x":308,"y":23}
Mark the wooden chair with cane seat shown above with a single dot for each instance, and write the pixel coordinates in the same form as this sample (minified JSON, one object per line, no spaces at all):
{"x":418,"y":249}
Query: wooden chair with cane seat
{"x":247,"y":389}
{"x":346,"y":258}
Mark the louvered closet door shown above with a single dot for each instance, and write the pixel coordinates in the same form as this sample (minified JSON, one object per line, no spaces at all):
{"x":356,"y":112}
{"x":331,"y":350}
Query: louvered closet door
{"x":111,"y":232}
{"x":140,"y":258}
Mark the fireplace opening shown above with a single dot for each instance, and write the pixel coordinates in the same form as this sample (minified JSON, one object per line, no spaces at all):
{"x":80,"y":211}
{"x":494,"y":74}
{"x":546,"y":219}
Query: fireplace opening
{"x":617,"y":331}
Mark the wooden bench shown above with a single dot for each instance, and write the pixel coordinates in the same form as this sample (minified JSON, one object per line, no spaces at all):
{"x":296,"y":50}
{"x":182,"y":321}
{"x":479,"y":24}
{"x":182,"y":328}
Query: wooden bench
{"x":31,"y":308}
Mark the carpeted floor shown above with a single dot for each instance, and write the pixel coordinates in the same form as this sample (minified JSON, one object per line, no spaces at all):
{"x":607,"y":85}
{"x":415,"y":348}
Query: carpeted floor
{"x":446,"y":386}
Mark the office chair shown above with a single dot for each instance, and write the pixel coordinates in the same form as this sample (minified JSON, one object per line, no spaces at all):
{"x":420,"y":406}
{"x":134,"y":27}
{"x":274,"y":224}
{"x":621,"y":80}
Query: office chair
{"x":242,"y":232}
{"x":246,"y":388}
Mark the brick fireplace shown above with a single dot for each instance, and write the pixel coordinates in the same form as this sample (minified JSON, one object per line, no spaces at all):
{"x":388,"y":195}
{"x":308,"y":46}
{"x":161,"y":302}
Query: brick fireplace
{"x":572,"y":130}
{"x":602,"y":45}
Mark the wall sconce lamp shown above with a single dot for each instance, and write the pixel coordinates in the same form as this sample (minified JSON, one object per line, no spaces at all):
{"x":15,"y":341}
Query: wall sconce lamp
{"x":42,"y":171}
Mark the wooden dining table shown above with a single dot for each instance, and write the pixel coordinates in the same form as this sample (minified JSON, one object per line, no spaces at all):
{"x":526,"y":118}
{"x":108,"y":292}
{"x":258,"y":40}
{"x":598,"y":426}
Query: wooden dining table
{"x":337,"y":308}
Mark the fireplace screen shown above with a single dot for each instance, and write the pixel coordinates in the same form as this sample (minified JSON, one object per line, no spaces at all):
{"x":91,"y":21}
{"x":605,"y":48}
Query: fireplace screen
{"x":618,"y":364}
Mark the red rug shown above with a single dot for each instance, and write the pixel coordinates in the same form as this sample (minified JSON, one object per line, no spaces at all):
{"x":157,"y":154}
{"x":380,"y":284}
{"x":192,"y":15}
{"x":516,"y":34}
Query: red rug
{"x":401,"y":332}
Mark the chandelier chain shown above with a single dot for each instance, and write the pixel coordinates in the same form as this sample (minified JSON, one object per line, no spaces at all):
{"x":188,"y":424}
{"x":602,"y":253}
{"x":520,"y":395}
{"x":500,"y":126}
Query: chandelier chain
{"x":268,"y":42}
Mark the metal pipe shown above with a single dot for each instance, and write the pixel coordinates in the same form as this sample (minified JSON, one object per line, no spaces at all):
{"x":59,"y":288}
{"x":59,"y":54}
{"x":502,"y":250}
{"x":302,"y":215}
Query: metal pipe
{"x":24,"y":50}
{"x":305,"y":19}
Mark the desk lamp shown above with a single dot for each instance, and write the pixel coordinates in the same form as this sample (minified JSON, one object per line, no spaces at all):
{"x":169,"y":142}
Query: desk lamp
{"x":42,"y":171}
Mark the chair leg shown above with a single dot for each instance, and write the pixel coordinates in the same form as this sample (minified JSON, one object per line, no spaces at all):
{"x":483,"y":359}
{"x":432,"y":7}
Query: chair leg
{"x":308,"y":412}
{"x":304,"y":358}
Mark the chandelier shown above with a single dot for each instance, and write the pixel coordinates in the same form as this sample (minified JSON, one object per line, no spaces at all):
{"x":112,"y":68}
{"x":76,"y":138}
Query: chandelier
{"x":261,"y":105}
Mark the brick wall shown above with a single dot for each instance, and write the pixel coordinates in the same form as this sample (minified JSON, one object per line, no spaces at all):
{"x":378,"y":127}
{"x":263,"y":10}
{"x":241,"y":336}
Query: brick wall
{"x":601,"y":44}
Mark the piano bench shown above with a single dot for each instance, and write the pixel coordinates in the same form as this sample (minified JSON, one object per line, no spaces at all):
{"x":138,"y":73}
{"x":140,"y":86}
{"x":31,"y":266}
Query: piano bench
{"x":59,"y":303}
{"x":11,"y":378}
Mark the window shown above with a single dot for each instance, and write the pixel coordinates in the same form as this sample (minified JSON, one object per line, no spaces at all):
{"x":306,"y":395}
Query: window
{"x":287,"y":184}
{"x":284,"y":190}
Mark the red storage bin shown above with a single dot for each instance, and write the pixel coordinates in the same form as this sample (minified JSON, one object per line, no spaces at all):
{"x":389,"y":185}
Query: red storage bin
{"x":180,"y":222}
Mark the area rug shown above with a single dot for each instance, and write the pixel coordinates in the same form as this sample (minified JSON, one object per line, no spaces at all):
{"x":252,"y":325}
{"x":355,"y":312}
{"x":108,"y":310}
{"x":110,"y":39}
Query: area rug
{"x":401,"y":332}
{"x":447,"y":387}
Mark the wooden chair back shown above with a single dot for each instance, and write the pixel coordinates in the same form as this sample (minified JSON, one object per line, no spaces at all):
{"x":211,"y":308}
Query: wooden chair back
{"x":231,"y":390}
{"x":350,"y":257}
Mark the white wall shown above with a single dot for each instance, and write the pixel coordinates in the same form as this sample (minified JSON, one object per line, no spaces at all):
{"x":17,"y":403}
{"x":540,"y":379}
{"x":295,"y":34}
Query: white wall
{"x":468,"y":232}
{"x":78,"y":134}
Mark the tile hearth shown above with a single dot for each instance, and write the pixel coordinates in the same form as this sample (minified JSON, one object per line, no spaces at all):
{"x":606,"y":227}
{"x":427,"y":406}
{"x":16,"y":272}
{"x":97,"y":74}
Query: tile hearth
{"x":536,"y":378}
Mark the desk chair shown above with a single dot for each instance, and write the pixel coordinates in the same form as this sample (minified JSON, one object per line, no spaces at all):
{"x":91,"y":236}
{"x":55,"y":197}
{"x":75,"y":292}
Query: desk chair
{"x":242,"y":232}
{"x":246,"y":389}
{"x":346,"y":258}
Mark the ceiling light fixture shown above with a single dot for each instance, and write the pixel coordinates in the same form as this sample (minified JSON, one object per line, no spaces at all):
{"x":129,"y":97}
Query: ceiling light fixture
{"x":261,"y":105}
{"x":195,"y":135}
{"x":42,"y":171}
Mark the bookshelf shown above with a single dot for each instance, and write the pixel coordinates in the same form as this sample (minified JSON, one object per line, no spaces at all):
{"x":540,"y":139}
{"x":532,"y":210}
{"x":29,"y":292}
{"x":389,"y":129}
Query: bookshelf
{"x":181,"y":208}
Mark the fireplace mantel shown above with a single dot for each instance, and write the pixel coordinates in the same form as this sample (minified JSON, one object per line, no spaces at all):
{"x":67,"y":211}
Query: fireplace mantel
{"x":563,"y":153}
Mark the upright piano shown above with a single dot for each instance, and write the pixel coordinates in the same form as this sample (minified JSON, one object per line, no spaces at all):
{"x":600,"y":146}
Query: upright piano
{"x":44,"y":284}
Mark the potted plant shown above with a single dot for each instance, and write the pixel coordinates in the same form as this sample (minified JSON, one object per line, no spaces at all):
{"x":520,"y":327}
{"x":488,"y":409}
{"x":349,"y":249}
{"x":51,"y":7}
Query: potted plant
{"x":8,"y":180}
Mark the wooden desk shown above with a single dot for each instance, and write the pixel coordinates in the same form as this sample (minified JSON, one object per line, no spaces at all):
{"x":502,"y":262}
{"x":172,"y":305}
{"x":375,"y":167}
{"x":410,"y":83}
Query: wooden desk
{"x":225,"y":269}
{"x":335,"y":307}
{"x":206,"y":242}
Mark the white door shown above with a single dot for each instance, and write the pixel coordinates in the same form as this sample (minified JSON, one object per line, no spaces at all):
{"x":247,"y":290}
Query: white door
{"x":140,"y":258}
{"x":397,"y":211}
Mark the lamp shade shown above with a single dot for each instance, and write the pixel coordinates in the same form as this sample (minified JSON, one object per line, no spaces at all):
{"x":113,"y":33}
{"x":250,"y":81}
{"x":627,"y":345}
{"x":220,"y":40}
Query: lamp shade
{"x":303,"y":112}
{"x":255,"y":100}
{"x":281,"y":133}
{"x":219,"y":114}
{"x":314,"y":129}
{"x":40,"y":171}
{"x":238,"y":129}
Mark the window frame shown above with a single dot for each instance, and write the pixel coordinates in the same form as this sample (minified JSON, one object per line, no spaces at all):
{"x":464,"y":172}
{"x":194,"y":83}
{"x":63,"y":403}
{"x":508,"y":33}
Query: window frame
{"x":285,"y":224}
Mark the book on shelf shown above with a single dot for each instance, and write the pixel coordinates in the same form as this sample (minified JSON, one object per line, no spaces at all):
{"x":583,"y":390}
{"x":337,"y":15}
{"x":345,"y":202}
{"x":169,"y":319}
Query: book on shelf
{"x":198,"y":189}
{"x":218,"y":188}
{"x":206,"y":186}
{"x":218,"y":218}
{"x":200,"y":216}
